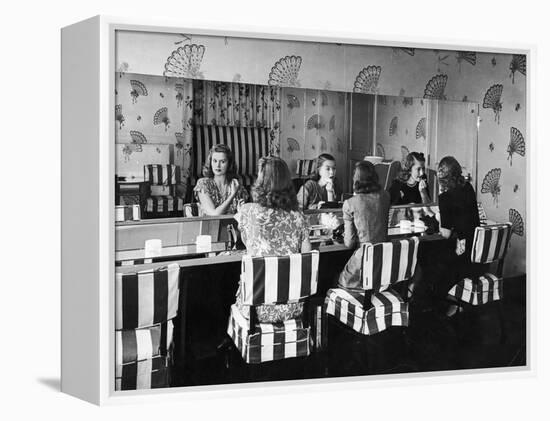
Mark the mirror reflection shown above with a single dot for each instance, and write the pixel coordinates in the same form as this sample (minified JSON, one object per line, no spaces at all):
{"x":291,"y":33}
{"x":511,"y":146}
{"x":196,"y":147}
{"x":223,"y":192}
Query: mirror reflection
{"x":202,"y":160}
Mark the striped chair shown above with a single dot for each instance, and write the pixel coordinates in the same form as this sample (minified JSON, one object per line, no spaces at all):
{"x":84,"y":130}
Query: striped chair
{"x":305,"y":167}
{"x":274,"y":280}
{"x":376,"y":306}
{"x":248,"y":144}
{"x":162,"y":200}
{"x":145,"y":306}
{"x":489,"y":246}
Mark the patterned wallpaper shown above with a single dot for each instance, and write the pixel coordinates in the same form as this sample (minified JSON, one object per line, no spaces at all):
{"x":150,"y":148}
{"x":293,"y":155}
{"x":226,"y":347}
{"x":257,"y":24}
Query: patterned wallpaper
{"x":313,"y":122}
{"x":496,"y":81}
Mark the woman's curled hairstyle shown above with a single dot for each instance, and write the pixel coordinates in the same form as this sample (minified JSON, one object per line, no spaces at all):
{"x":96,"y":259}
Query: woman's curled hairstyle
{"x":231,"y":166}
{"x":449,"y":173}
{"x":408,"y":164}
{"x":273,"y":187}
{"x":365,"y":178}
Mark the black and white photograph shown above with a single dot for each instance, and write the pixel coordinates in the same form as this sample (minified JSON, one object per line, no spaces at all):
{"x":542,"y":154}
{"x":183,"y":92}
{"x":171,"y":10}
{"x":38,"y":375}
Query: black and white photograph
{"x":291,"y":209}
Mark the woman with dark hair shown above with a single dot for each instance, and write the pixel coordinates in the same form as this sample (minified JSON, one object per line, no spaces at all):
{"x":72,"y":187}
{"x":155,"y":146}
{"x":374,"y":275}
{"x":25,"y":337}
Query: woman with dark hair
{"x":365,"y":219}
{"x":411,"y":186}
{"x":273,"y":226}
{"x":322,"y":187}
{"x":219,"y":191}
{"x":459,"y":218}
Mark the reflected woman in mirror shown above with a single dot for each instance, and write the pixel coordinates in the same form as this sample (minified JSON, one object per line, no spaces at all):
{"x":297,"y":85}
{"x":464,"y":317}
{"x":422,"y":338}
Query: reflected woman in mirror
{"x":365,"y":219}
{"x":322,"y":187}
{"x":411,"y":186}
{"x":273,"y":226}
{"x":219,"y":191}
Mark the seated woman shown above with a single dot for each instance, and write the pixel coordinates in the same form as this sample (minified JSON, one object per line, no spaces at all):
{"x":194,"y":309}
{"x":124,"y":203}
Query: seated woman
{"x":459,"y":218}
{"x":411,"y":186}
{"x":273,"y":225}
{"x":219,"y":192}
{"x":365,"y":219}
{"x":322,"y":187}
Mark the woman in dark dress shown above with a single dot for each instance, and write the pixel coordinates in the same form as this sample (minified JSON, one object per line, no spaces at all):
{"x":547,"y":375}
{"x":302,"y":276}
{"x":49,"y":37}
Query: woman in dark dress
{"x":411,"y":186}
{"x":459,"y":218}
{"x":323,"y":187}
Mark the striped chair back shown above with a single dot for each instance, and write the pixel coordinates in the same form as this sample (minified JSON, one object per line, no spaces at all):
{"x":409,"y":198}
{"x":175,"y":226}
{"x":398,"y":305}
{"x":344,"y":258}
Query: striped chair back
{"x":278,"y":279}
{"x":248,"y":144}
{"x":305,"y":167}
{"x":140,"y":344}
{"x":491,"y":242}
{"x":161,"y":175}
{"x":388,"y":263}
{"x":146,"y":298}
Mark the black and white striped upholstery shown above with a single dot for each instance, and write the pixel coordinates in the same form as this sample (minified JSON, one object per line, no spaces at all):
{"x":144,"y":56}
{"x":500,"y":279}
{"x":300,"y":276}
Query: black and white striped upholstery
{"x":387,"y":309}
{"x":151,"y":373}
{"x":377,"y":306}
{"x":145,"y":304}
{"x":127,"y":213}
{"x":278,"y":279}
{"x":140,"y":344}
{"x":147,"y":298}
{"x":164,"y":204}
{"x":270,"y":280}
{"x":489,"y":245}
{"x":478,"y":290}
{"x":305,"y":167}
{"x":269,"y":341}
{"x":388,"y":263}
{"x":248,"y":144}
{"x":161,"y":174}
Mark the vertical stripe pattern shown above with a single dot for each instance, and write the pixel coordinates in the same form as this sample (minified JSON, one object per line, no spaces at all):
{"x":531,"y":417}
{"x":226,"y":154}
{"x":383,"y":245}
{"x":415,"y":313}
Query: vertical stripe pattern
{"x":388,"y":263}
{"x":305,"y":167}
{"x":161,"y":175}
{"x":490,"y":243}
{"x":479,"y":290}
{"x":278,"y":279}
{"x":248,"y":144}
{"x":387,"y":309}
{"x":146,"y":298}
{"x":269,"y":341}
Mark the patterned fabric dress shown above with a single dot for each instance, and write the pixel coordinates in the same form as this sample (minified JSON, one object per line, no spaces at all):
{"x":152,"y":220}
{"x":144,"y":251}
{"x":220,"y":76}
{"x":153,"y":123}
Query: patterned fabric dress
{"x":208,"y":186}
{"x":271,"y":232}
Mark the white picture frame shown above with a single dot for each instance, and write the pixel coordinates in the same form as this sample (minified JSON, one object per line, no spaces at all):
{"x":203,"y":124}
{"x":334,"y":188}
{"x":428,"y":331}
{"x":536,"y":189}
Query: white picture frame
{"x":88,"y":212}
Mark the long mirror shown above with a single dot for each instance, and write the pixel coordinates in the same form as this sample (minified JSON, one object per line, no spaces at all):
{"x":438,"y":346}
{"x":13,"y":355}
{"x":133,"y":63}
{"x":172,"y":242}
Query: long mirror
{"x":173,"y":122}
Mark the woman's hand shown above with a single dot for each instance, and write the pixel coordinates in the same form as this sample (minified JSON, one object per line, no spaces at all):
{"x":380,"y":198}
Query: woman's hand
{"x":319,"y":204}
{"x":422,"y":185}
{"x":234,"y":187}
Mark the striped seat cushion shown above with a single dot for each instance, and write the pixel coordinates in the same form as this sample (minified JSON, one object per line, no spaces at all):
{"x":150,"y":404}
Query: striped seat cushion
{"x":305,"y":167}
{"x":248,"y":144}
{"x":161,"y":204}
{"x":161,"y":175}
{"x":479,"y":290}
{"x":140,"y":344}
{"x":490,"y":243}
{"x":146,"y":298}
{"x":127,"y":213}
{"x":268,"y":342}
{"x":388,"y":263}
{"x":388,"y":309}
{"x":144,"y":374}
{"x":278,"y":279}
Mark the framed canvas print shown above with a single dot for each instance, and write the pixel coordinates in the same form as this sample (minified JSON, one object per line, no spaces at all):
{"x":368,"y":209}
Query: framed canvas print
{"x":245,"y":207}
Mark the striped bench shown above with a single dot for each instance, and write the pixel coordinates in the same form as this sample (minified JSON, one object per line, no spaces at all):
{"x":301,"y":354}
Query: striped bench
{"x":248,"y":144}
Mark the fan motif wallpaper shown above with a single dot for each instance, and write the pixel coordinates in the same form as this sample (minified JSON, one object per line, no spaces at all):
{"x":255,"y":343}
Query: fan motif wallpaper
{"x":496,"y":81}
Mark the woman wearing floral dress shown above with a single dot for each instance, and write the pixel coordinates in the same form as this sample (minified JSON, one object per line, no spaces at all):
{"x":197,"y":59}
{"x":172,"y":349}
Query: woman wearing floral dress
{"x":219,"y":192}
{"x":273,"y":226}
